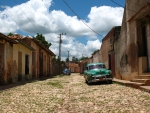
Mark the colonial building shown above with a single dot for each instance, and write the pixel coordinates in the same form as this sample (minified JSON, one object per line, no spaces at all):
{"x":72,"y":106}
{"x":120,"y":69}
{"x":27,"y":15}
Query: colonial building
{"x":6,"y":59}
{"x":107,"y":48}
{"x":96,"y":57}
{"x":42,"y":58}
{"x":74,"y":67}
{"x":22,"y":61}
{"x":15,"y":60}
{"x":132,"y":48}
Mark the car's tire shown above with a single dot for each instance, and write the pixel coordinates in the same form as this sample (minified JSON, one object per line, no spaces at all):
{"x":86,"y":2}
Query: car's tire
{"x":110,"y":81}
{"x":87,"y":82}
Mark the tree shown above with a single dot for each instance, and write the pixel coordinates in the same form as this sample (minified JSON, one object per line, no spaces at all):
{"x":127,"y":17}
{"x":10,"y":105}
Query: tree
{"x":10,"y":34}
{"x":67,"y":60}
{"x":54,"y":59}
{"x":74,"y":59}
{"x":83,"y":58}
{"x":57,"y":60}
{"x":41,"y":38}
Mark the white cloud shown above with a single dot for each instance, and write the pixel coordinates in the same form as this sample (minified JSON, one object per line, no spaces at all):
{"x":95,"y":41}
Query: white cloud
{"x":105,"y":17}
{"x":34,"y":16}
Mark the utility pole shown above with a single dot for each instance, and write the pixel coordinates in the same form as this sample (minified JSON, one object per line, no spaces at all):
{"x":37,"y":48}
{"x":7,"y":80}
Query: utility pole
{"x":60,"y":41}
{"x":68,"y":59}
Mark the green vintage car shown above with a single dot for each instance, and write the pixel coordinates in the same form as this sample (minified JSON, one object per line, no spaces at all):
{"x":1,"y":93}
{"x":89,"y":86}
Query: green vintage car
{"x":96,"y":72}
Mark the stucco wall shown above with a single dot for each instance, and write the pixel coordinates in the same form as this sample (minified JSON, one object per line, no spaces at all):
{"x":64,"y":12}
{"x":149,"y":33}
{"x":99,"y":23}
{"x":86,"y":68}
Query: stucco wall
{"x":8,"y":68}
{"x":25,"y":51}
{"x":126,"y":53}
{"x":37,"y":63}
{"x":105,"y":48}
{"x":121,"y":51}
{"x":96,"y":57}
{"x":9,"y":61}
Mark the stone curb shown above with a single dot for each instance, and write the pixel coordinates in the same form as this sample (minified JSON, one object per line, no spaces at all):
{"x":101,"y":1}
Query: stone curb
{"x":132,"y":84}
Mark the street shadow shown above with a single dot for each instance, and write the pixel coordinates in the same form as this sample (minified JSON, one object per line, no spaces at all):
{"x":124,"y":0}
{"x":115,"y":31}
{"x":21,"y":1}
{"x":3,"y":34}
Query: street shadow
{"x":99,"y":83}
{"x":12,"y":85}
{"x":19,"y":83}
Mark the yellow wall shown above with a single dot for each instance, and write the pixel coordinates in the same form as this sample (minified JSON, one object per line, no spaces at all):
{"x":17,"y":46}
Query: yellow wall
{"x":25,"y":51}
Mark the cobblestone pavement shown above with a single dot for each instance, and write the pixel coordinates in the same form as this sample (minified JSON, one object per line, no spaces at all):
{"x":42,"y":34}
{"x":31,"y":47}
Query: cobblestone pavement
{"x":70,"y":94}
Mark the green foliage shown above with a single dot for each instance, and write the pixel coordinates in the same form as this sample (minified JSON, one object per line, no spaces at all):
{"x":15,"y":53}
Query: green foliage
{"x":54,"y":59}
{"x":42,"y":39}
{"x":74,"y":59}
{"x":84,"y":58}
{"x":67,"y":60}
{"x":57,"y":60}
{"x":55,"y":84}
{"x":10,"y":34}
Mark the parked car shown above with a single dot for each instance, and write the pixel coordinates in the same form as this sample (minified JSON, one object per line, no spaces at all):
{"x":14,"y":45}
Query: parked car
{"x":66,"y":71}
{"x":96,"y":72}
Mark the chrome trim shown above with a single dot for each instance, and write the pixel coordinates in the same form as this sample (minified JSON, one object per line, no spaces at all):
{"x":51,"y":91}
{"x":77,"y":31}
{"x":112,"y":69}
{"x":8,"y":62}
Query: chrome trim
{"x":97,"y":80}
{"x":100,"y":75}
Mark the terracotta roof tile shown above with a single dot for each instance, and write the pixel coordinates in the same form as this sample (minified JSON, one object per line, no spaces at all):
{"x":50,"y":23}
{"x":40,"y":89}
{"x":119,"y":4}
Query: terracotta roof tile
{"x":16,"y":36}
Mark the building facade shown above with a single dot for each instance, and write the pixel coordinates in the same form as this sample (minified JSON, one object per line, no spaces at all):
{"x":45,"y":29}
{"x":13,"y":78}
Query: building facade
{"x":6,"y":59}
{"x":132,"y":48}
{"x":42,"y":58}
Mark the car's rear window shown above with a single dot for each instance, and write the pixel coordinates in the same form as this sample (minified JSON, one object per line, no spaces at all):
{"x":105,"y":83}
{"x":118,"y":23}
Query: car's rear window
{"x":99,"y":66}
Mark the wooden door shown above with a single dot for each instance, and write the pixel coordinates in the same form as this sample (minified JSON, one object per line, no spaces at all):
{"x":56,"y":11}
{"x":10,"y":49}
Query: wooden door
{"x":148,"y":45}
{"x":19,"y":66}
{"x":2,"y":64}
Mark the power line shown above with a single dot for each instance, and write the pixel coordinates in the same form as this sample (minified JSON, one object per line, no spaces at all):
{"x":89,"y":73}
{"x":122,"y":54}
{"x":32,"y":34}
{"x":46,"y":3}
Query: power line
{"x":18,"y":23}
{"x":81,"y":19}
{"x":28,"y":18}
{"x":29,"y":9}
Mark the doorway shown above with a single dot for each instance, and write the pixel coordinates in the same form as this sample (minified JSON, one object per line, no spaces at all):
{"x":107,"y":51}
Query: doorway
{"x":2,"y":64}
{"x":26,"y":64}
{"x":41,"y":64}
{"x":19,"y":66}
{"x":148,"y":45}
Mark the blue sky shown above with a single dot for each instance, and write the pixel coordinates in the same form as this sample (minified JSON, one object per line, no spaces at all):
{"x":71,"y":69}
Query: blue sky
{"x":52,"y":17}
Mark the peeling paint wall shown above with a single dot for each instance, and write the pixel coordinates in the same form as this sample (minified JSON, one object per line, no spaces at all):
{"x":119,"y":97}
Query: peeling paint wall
{"x":6,"y":62}
{"x":126,"y":46}
{"x":97,"y":57}
{"x":105,"y":49}
{"x":41,"y":65}
{"x":8,"y":65}
{"x":2,"y":62}
{"x":24,"y":51}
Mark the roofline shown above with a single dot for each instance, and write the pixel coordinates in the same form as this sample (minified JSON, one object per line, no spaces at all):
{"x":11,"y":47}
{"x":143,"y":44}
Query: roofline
{"x":25,"y":44}
{"x":43,"y":46}
{"x":148,"y":4}
{"x":2,"y":36}
{"x":113,"y":28}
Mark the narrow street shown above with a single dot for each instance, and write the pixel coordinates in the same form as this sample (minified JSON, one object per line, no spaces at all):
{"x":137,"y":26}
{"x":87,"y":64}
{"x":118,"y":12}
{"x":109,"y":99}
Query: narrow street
{"x":70,"y":94}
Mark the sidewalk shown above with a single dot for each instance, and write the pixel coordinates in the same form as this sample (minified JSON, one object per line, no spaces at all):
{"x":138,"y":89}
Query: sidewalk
{"x":133,"y":84}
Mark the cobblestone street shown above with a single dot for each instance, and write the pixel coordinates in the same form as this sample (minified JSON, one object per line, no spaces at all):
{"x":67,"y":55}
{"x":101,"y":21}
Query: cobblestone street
{"x":70,"y":94}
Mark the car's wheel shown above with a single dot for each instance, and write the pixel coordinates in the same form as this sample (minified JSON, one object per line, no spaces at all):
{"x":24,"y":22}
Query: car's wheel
{"x":110,"y":81}
{"x":87,"y":82}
